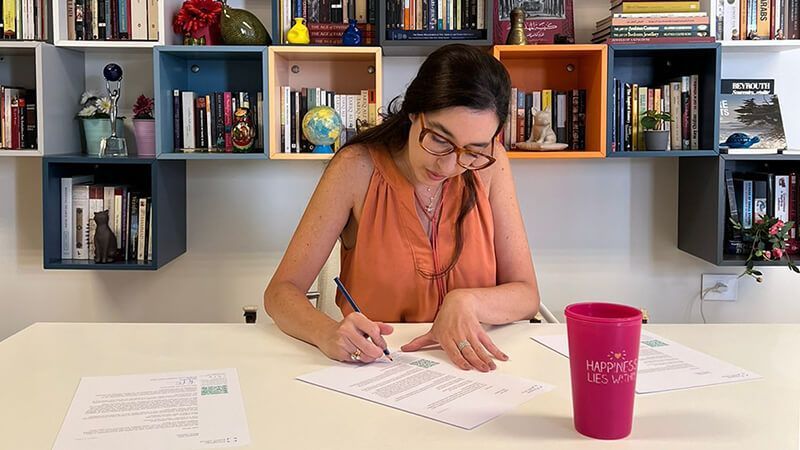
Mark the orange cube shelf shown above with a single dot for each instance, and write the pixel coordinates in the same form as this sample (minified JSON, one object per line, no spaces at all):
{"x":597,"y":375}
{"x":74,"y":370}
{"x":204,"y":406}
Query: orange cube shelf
{"x":563,"y":67}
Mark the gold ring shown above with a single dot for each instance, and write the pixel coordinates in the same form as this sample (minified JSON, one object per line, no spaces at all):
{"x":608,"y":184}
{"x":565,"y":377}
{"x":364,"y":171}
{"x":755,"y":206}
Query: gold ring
{"x":463,"y":344}
{"x":356,"y":355}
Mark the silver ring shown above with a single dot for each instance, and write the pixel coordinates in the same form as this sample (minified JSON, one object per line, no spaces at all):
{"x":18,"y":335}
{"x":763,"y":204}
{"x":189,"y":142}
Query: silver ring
{"x":463,"y":344}
{"x":356,"y":355}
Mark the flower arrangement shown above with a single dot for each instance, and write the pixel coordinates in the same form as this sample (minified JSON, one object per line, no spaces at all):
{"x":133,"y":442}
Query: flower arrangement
{"x":194,"y":15}
{"x":143,"y":108}
{"x":769,"y":236}
{"x":93,"y":106}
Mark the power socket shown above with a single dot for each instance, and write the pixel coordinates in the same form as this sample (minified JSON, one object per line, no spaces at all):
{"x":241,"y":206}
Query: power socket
{"x":727,"y":293}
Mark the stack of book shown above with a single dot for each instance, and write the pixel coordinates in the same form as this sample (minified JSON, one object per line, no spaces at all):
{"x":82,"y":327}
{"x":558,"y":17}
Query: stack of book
{"x":327,"y":20}
{"x":18,"y":123}
{"x":753,"y":19}
{"x":679,"y":98}
{"x":566,"y":110}
{"x":108,"y":20}
{"x":129,"y":217}
{"x":204,"y":123}
{"x":353,"y":109}
{"x":644,"y":22}
{"x":435,"y":19}
{"x":24,"y":19}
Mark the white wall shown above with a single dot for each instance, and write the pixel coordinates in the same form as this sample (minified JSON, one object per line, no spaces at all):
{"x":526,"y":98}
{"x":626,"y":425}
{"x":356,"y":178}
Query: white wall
{"x":599,"y":230}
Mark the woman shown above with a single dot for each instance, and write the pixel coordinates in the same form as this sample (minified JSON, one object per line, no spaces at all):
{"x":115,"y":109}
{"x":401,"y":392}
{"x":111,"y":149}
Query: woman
{"x":431,"y":231}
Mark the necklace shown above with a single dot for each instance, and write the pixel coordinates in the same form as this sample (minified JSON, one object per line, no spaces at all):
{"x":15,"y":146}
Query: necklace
{"x":430,"y":207}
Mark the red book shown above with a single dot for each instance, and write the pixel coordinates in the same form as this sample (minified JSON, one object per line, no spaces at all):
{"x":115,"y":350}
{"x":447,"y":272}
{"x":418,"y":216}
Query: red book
{"x":792,"y":246}
{"x":14,"y":123}
{"x":128,"y":16}
{"x":226,"y":100}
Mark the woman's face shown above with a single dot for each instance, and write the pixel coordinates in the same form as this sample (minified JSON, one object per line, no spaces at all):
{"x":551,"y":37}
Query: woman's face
{"x":470,"y":129}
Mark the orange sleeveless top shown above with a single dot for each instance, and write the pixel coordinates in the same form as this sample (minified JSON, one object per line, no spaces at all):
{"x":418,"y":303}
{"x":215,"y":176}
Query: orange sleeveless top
{"x":388,"y":271}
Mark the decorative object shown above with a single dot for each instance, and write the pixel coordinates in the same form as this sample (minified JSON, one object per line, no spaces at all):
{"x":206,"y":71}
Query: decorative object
{"x":198,"y":22}
{"x":144,"y":126}
{"x":105,"y":243}
{"x":322,"y":127}
{"x":542,"y":136}
{"x":516,"y":35}
{"x":241,"y":27}
{"x":750,"y":118}
{"x":352,"y":36}
{"x":113,"y":145}
{"x":298,"y":34}
{"x":656,"y":138}
{"x":242,"y":134}
{"x":95,"y":124}
{"x":769,"y":237}
{"x":543,"y":20}
{"x":563,"y":39}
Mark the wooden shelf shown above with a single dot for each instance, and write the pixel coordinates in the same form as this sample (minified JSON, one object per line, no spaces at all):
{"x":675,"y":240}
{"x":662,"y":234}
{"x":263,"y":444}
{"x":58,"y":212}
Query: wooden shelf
{"x":302,"y":156}
{"x":344,"y":70}
{"x":662,"y":154}
{"x":108,"y":45}
{"x":163,"y":181}
{"x":538,"y":67}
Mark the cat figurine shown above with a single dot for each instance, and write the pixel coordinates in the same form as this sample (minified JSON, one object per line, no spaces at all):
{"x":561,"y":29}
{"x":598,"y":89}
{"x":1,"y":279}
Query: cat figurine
{"x":105,"y":243}
{"x":542,"y":131}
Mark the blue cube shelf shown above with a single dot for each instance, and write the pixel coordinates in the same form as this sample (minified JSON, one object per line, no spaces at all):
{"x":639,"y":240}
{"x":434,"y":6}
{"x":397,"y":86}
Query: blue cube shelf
{"x":657,"y":64}
{"x":205,"y":70}
{"x":163,"y":181}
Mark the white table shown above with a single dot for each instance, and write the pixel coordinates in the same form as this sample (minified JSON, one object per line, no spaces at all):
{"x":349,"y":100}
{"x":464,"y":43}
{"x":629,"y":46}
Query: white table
{"x":40,"y":368}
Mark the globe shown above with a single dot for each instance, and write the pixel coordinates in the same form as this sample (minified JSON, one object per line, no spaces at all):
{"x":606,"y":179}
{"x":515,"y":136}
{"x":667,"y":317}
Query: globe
{"x":322,"y":126}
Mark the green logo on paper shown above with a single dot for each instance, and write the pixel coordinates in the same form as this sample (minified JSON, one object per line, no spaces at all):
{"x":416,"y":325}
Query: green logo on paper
{"x":214,"y":390}
{"x":654,"y":343}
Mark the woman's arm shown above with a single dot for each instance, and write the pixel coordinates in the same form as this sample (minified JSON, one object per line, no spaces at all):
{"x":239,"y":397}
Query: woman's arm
{"x":323,"y":221}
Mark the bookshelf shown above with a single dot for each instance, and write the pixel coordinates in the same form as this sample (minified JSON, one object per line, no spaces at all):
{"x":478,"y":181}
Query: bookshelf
{"x":43,"y":67}
{"x":164,"y":181}
{"x":563,"y":67}
{"x":205,"y":70}
{"x":760,"y":46}
{"x":654,"y":65}
{"x":702,"y":200}
{"x":344,"y":70}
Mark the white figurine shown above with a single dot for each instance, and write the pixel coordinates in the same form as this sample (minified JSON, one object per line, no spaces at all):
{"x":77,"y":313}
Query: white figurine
{"x":542,"y":136}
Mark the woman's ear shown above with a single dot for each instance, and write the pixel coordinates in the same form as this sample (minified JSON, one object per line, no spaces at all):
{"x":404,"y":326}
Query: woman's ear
{"x":412,"y":117}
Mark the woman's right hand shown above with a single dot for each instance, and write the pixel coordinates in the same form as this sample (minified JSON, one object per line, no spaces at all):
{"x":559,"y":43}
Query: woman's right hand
{"x":348,"y":337}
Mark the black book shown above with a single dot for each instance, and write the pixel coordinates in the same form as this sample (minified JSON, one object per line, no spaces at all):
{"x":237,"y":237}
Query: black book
{"x":200,"y":126}
{"x":101,"y":19}
{"x":22,"y":122}
{"x":177,"y":122}
{"x":30,"y":122}
{"x":79,"y":11}
{"x":219,"y":118}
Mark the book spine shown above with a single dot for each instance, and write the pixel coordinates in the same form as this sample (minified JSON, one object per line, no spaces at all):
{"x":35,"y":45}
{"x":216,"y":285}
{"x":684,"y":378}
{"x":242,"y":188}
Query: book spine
{"x":676,"y":136}
{"x":123,"y":7}
{"x":15,"y":144}
{"x":660,"y":7}
{"x":113,"y":19}
{"x":149,"y":236}
{"x":695,"y":111}
{"x":23,"y":124}
{"x":200,"y":127}
{"x":139,"y":20}
{"x":660,"y":40}
{"x":782,"y":197}
{"x":141,"y":229}
{"x":792,"y":20}
{"x":80,"y":201}
{"x":67,"y":224}
{"x":686,"y":122}
{"x":152,"y":20}
{"x":794,"y":194}
{"x":101,"y":19}
{"x":188,"y":119}
{"x":747,"y":204}
{"x":118,"y":216}
{"x":643,"y":93}
{"x":397,"y":35}
{"x":95,"y":206}
{"x":763,"y":19}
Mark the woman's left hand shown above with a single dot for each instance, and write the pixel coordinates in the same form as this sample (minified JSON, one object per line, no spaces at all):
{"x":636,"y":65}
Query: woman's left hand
{"x":460,"y":334}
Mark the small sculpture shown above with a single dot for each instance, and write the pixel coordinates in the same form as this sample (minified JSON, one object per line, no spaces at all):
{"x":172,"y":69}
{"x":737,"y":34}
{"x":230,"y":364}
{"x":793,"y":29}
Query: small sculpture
{"x":516,"y":35}
{"x":242,"y":135}
{"x":105,"y":243}
{"x":542,"y":136}
{"x":113,"y":145}
{"x":740,"y":140}
{"x":241,"y":27}
{"x":352,"y":36}
{"x":298,"y":34}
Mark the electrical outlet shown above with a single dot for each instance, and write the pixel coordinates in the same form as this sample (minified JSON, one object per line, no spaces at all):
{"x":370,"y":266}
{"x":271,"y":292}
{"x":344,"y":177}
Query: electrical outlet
{"x":725,"y":293}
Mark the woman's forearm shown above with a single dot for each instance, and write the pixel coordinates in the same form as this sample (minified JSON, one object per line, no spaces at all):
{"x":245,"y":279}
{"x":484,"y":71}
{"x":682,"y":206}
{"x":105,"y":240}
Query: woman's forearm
{"x":293,"y":313}
{"x":506,"y":303}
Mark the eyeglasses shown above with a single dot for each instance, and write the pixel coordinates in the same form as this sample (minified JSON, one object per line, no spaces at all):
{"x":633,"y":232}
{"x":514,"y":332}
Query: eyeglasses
{"x":438,"y":145}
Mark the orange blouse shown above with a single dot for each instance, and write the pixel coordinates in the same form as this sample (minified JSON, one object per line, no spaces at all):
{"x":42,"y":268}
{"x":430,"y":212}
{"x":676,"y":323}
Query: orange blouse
{"x":386,"y":270}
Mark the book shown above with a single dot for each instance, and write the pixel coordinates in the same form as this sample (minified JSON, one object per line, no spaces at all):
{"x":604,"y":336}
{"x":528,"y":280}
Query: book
{"x":543,"y":20}
{"x":750,"y":124}
{"x":655,"y":6}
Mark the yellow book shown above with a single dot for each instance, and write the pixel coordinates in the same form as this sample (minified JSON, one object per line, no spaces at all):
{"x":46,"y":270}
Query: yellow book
{"x":763,"y":19}
{"x":547,"y":103}
{"x":657,"y":7}
{"x":635,"y":117}
{"x":9,"y":19}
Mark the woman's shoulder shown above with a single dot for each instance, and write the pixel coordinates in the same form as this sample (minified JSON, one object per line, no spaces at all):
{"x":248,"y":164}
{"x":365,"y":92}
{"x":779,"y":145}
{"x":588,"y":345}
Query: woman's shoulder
{"x":500,"y":169}
{"x":353,"y":161}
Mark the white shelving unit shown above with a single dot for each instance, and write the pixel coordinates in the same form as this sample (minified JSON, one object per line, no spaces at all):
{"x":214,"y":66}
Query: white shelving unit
{"x":760,"y":46}
{"x":50,"y":71}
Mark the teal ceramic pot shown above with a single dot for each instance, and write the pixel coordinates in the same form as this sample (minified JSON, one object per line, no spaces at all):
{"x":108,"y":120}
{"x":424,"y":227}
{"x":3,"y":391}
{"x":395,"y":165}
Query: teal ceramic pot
{"x":94,"y":130}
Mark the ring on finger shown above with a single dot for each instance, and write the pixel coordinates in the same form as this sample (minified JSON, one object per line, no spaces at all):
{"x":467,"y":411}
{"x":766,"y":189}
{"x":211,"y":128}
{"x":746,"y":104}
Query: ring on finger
{"x":463,"y":344}
{"x":356,"y":355}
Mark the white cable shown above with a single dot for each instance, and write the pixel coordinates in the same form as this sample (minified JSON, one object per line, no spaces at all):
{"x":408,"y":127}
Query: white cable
{"x":719,"y":288}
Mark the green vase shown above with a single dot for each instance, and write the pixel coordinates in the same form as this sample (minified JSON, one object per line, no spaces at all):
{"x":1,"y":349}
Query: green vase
{"x":94,"y":130}
{"x":241,"y":27}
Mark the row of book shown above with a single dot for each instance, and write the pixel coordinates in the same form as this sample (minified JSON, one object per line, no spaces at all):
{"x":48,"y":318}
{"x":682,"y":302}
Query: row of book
{"x":354,"y":110}
{"x":327,"y":20}
{"x":758,"y":19}
{"x":111,"y":20}
{"x":435,"y":19}
{"x":18,"y":124}
{"x":565,"y":110}
{"x":671,"y":21}
{"x":751,"y":196}
{"x":129,"y":217}
{"x":205,"y":123}
{"x":678,"y":98}
{"x":24,"y":19}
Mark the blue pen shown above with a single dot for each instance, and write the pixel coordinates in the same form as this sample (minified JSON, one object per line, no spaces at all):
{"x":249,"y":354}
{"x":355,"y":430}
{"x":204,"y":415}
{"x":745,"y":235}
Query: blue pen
{"x":354,"y":306}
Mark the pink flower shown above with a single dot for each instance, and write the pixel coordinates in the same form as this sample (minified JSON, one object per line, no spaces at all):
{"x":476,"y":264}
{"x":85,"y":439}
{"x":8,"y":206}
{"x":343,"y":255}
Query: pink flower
{"x":774,"y":229}
{"x":777,"y":253}
{"x":759,"y":221}
{"x":767,"y":254}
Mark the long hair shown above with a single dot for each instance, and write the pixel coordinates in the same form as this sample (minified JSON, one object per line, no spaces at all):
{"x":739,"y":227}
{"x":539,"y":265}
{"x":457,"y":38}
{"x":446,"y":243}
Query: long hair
{"x":454,"y":75}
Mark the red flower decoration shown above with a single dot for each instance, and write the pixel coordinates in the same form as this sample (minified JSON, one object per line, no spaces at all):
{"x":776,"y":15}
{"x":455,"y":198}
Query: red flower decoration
{"x":143,"y":108}
{"x":196,"y":14}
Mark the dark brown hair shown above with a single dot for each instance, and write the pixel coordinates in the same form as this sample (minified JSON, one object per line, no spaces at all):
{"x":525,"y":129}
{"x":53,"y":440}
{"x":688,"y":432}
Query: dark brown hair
{"x":454,"y":75}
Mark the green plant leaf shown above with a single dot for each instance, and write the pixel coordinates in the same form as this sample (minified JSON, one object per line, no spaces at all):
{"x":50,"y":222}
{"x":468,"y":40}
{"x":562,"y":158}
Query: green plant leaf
{"x":756,"y":273}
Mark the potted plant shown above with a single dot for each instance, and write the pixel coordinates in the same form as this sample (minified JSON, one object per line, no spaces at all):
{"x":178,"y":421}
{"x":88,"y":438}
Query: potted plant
{"x":198,"y":22}
{"x":96,"y":121}
{"x":769,"y":237}
{"x":144,"y":126}
{"x":655,"y":136}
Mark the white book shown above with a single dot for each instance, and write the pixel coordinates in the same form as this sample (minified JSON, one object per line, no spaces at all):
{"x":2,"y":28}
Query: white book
{"x":80,"y":203}
{"x":138,"y":20}
{"x":675,"y":111}
{"x":782,"y":197}
{"x":747,"y":203}
{"x":750,"y":151}
{"x":287,"y":112}
{"x":209,"y":144}
{"x":95,"y":206}
{"x":118,"y":198}
{"x":152,"y":20}
{"x":666,"y":107}
{"x":363,"y":103}
{"x":730,"y":20}
{"x":351,"y":111}
{"x":790,"y":152}
{"x":68,"y":213}
{"x":639,"y":145}
{"x":95,"y":24}
{"x":481,"y":15}
{"x":140,"y":243}
{"x":187,"y":113}
{"x":324,"y":96}
{"x":108,"y":201}
{"x":150,"y":230}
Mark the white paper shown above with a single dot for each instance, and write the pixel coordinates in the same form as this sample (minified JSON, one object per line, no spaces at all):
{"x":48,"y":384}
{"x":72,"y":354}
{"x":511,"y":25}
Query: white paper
{"x":665,"y":365}
{"x":431,"y":388}
{"x":186,"y":410}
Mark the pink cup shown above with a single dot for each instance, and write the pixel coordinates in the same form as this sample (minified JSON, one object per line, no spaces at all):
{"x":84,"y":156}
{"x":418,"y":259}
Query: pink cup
{"x":603,"y":357}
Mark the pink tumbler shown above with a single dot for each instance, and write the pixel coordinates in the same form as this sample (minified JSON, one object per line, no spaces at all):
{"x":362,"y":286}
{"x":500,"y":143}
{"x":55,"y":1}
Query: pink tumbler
{"x":603,"y":356}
